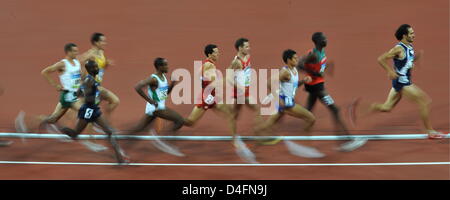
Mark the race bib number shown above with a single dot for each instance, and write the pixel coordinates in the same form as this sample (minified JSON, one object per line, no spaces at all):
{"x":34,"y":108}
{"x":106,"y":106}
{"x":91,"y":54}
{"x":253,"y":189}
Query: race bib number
{"x":88,"y":113}
{"x":163,"y":94}
{"x":288,"y":102}
{"x":209,"y":99}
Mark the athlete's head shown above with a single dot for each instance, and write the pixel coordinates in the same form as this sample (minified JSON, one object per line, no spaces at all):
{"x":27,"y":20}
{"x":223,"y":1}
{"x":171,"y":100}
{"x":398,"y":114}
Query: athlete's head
{"x":319,"y":39}
{"x":290,"y":57}
{"x":98,"y":40}
{"x":406,"y":32}
{"x":242,"y":45}
{"x":212,"y":52}
{"x":91,"y":67}
{"x":71,"y":50}
{"x":161,"y":65}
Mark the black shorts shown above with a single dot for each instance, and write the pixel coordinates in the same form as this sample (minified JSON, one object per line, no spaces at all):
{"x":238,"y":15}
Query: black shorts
{"x":89,"y":112}
{"x":314,"y":89}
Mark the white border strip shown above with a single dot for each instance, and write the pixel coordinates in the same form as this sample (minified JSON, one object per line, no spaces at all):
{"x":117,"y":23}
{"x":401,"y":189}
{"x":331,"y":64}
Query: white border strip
{"x":219,"y":138}
{"x":230,"y":165}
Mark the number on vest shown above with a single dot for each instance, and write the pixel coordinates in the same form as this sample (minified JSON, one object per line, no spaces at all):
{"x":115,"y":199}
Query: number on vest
{"x":88,"y":113}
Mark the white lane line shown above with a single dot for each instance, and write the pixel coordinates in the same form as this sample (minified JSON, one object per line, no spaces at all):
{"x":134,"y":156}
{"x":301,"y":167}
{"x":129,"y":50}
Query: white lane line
{"x":220,"y":138}
{"x":230,"y":165}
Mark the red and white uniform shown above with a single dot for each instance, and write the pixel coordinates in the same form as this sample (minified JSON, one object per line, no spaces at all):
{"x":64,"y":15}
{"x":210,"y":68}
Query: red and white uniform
{"x":208,"y":100}
{"x":243,"y":77}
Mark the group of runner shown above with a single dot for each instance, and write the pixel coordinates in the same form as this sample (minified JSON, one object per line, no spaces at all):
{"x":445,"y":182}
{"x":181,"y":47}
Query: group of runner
{"x":81,"y":91}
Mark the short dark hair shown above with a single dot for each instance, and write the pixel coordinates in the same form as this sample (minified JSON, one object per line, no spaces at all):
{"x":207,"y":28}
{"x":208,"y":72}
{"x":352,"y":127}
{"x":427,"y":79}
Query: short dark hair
{"x":240,"y":42}
{"x":68,"y":47}
{"x":90,"y":64}
{"x":96,"y":37}
{"x":209,"y":49}
{"x":316,"y":37}
{"x":288,"y":54}
{"x":402,"y":30}
{"x":158,"y":62}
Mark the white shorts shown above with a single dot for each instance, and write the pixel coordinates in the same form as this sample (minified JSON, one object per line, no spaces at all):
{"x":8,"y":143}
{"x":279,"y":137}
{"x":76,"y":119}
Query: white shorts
{"x":150,"y":108}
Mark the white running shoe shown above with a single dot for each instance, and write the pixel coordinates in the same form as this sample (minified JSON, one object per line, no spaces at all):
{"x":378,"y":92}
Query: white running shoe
{"x":97,"y":128}
{"x":353,"y":144}
{"x":243,"y":151}
{"x":93,"y":146}
{"x":303,"y":151}
{"x":20,"y":125}
{"x":164,"y":146}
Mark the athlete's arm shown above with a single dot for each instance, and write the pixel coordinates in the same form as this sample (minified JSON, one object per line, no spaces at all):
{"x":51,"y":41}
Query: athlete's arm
{"x":83,"y":58}
{"x":150,"y":82}
{"x":172,"y":84}
{"x":59,"y":66}
{"x":235,"y":65}
{"x":382,"y":60}
{"x":210,"y":72}
{"x":307,"y":79}
{"x":283,"y":76}
{"x":310,"y":58}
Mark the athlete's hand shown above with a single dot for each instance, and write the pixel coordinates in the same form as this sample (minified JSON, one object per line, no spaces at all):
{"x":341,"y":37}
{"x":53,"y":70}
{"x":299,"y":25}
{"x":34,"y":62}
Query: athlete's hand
{"x":109,"y":62}
{"x":392,"y":75}
{"x":175,"y":83}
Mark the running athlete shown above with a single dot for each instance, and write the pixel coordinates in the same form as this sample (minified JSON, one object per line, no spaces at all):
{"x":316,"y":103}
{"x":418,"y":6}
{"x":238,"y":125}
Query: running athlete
{"x":69,"y":77}
{"x":314,"y":64}
{"x":404,"y":59}
{"x":210,"y":101}
{"x":96,"y":53}
{"x":289,"y":82}
{"x":158,"y":91}
{"x":90,"y":112}
{"x":242,"y":78}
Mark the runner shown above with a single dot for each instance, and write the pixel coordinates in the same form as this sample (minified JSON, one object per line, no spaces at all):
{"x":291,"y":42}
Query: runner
{"x":158,"y":91}
{"x":242,"y":71}
{"x":90,"y":112}
{"x":404,"y":58}
{"x":315,"y":64}
{"x":69,"y":77}
{"x":289,"y":82}
{"x":97,"y":54}
{"x":210,"y":101}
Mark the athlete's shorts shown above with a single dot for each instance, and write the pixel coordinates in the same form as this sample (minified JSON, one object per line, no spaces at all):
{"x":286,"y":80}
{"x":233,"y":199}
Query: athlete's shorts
{"x":207,"y":102}
{"x":288,"y":103}
{"x":246,"y":93}
{"x":399,"y":86}
{"x":89,"y":112}
{"x":150,"y":108}
{"x":315,"y":88}
{"x":67,"y":98}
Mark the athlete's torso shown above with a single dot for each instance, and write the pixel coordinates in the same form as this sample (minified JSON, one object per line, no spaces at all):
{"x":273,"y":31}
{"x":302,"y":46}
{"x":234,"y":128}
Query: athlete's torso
{"x":70,"y":78}
{"x":289,"y":88}
{"x":95,"y":91}
{"x":403,"y":66}
{"x":317,"y":67}
{"x":160,"y":93}
{"x":244,"y":76}
{"x":100,"y":59}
